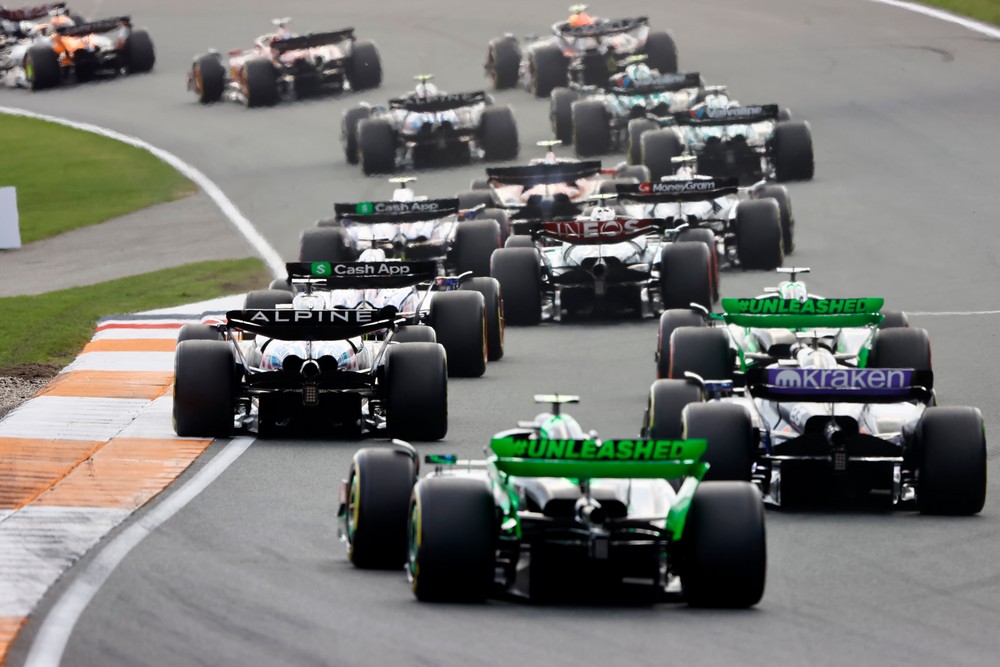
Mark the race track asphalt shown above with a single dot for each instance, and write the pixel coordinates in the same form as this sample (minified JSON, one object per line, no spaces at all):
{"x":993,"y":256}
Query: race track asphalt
{"x":903,"y":111}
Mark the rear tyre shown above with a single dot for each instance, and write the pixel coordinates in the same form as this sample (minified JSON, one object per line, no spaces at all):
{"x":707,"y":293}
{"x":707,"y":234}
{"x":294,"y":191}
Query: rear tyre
{"x":198,"y":332}
{"x":729,"y":431}
{"x":41,"y":67}
{"x":724,"y":547}
{"x":661,"y":51}
{"x":758,"y":235}
{"x":503,"y":62}
{"x":519,"y":273}
{"x":475,"y":197}
{"x":793,"y":151}
{"x":452,"y":540}
{"x":636,"y":128}
{"x":266,"y":299}
{"x":703,"y":351}
{"x":561,"y":113}
{"x":376,"y":146}
{"x":416,"y":393}
{"x":475,"y":241}
{"x":260,"y":83}
{"x":140,"y":56}
{"x":706,"y":236}
{"x":657,"y":147}
{"x":326,"y":244}
{"x":894,"y":319}
{"x":415,"y":333}
{"x":379,"y":485}
{"x":490,"y":289}
{"x":591,"y":128}
{"x":459,"y":321}
{"x":670,"y":321}
{"x":951,"y":461}
{"x":349,"y":131}
{"x":780,"y":194}
{"x":549,"y":70}
{"x":500,"y":215}
{"x":210,"y":79}
{"x":364,"y":69}
{"x":498,"y":134}
{"x":686,"y":275}
{"x":901,"y":348}
{"x":667,"y":400}
{"x":204,"y":389}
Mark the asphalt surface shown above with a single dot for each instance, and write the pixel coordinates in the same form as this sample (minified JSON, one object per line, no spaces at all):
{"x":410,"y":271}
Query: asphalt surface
{"x":903,"y":117}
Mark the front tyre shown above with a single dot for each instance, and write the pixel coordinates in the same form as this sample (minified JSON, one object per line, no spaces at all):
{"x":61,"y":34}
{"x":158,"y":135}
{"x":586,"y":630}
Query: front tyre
{"x":379,"y":485}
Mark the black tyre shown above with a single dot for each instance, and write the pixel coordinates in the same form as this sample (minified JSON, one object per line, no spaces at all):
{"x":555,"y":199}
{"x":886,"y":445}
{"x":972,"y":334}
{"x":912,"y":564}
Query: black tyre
{"x":349,"y":131}
{"x":209,"y":79}
{"x":415,"y":333}
{"x":501,"y":218}
{"x":204,"y":389}
{"x":260,"y":83}
{"x":326,"y":244}
{"x":519,"y":241}
{"x":670,"y":321}
{"x":41,"y":67}
{"x":379,"y":485}
{"x":792,"y":151}
{"x":758,"y":235}
{"x":280,"y":284}
{"x":561,"y":113}
{"x":729,"y":431}
{"x":901,"y":348}
{"x":636,"y":128}
{"x":376,"y":146}
{"x":686,"y":275}
{"x":951,"y":461}
{"x":667,"y":400}
{"x":266,"y":299}
{"x":703,"y":351}
{"x":591,"y":128}
{"x":140,"y":55}
{"x":490,"y":289}
{"x":472,"y":198}
{"x":657,"y":147}
{"x":479,"y":184}
{"x":724,"y":547}
{"x":661,"y":51}
{"x":452,"y":540}
{"x":364,"y":69}
{"x":416,"y":392}
{"x":894,"y":319}
{"x":779,"y":193}
{"x":475,"y":241}
{"x":198,"y":332}
{"x":518,"y":271}
{"x":503,"y":62}
{"x":638,"y":173}
{"x":784,"y":113}
{"x":459,"y":321}
{"x":549,"y":70}
{"x":498,"y":134}
{"x":706,"y":236}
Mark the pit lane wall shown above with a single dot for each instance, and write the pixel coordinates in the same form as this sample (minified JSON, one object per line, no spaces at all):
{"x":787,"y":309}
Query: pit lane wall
{"x":93,"y":446}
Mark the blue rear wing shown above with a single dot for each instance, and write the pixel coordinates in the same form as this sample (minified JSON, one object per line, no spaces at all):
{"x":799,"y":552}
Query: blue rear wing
{"x":840,"y":385}
{"x":744,"y":115}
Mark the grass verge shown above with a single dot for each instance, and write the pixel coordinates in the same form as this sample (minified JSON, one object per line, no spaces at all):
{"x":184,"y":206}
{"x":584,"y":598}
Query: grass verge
{"x":52,"y":328}
{"x":984,"y":10}
{"x":67,"y":178}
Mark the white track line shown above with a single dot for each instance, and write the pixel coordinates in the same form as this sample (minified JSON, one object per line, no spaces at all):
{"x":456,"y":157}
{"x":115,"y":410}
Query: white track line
{"x":941,"y":15}
{"x":53,"y":635}
{"x":246,"y":229}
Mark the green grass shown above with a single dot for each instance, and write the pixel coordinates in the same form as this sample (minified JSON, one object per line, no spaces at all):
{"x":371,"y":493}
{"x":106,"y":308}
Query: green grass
{"x":54,"y":327}
{"x":67,"y":178}
{"x":984,"y":10}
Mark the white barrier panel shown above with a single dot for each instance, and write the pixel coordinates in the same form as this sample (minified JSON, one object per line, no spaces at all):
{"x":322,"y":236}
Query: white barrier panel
{"x":10,"y":232}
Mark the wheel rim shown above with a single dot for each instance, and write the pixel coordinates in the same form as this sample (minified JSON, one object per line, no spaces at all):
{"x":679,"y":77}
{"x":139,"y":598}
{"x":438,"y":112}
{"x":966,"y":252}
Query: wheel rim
{"x":29,"y":70}
{"x":353,"y":509}
{"x":199,"y":81}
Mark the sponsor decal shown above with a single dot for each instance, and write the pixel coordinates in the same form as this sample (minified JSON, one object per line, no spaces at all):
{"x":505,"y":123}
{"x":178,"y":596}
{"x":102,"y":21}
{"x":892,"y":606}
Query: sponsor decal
{"x":383,"y":269}
{"x":364,"y":208}
{"x":671,"y":187}
{"x":336,"y":317}
{"x":592,"y":450}
{"x":825,"y":380}
{"x":724,"y":114}
{"x":595,"y":229}
{"x":778,"y":306}
{"x":319,"y":269}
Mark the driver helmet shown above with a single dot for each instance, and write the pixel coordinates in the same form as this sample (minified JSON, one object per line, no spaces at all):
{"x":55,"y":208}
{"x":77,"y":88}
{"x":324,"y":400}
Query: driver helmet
{"x":308,"y":302}
{"x":283,"y":32}
{"x":603,"y":214}
{"x":579,"y":17}
{"x":637,"y":74}
{"x":425,"y":90}
{"x":720,"y":100}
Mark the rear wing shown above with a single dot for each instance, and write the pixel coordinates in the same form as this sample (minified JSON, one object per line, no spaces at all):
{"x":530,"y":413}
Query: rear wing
{"x":529,"y":176}
{"x":665,"y":83}
{"x":312,"y":40}
{"x":593,"y":232}
{"x":104,"y":25}
{"x":30,"y":13}
{"x":362,"y":275}
{"x":840,"y":385}
{"x":396,"y":211}
{"x":439,"y":103}
{"x":602,"y":28}
{"x":589,"y":459}
{"x":744,"y":115}
{"x":696,"y":189}
{"x":778,"y":313}
{"x":290,"y":324}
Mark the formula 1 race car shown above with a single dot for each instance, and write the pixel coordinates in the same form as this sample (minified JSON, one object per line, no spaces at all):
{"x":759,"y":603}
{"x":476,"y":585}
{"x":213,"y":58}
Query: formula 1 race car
{"x":610,"y":118}
{"x":821,"y":404}
{"x":749,"y":142}
{"x":583,"y":49}
{"x":554,"y":513}
{"x":428,"y":126}
{"x":297,"y":362}
{"x":284,"y":66}
{"x":58,"y":50}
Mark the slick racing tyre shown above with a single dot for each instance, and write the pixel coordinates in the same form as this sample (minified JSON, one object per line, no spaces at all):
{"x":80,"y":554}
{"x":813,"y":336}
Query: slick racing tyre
{"x":498,"y":134}
{"x":724,"y":548}
{"x":140,"y":56}
{"x":591,"y":128}
{"x":469,"y":199}
{"x":260,"y":83}
{"x":198,"y":332}
{"x":415,"y":333}
{"x":665,"y":407}
{"x":490,"y":289}
{"x":561,"y":113}
{"x":518,"y":271}
{"x":326,"y":244}
{"x":41,"y":67}
{"x":349,"y":131}
{"x":703,"y":351}
{"x":416,"y":391}
{"x":519,"y":241}
{"x":951,"y":461}
{"x":706,"y":236}
{"x":376,"y":146}
{"x":266,"y":299}
{"x":686,"y":275}
{"x":661,"y":51}
{"x":729,"y":431}
{"x":657,"y":147}
{"x":459,"y":321}
{"x":209,"y":79}
{"x":758,"y":235}
{"x":503,"y":62}
{"x":452,"y":540}
{"x":636,"y":173}
{"x":379,"y":484}
{"x":779,"y":193}
{"x":549,"y":69}
{"x":475,"y":242}
{"x":364,"y":67}
{"x":636,"y":128}
{"x":894,"y":319}
{"x":901,"y":348}
{"x":792,"y":151}
{"x":205,"y":386}
{"x":670,"y":321}
{"x":501,"y":217}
